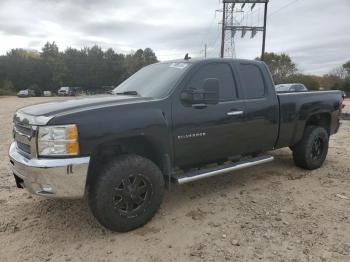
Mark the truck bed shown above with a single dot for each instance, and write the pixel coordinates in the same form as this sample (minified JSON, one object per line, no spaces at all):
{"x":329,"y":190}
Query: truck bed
{"x":296,"y":108}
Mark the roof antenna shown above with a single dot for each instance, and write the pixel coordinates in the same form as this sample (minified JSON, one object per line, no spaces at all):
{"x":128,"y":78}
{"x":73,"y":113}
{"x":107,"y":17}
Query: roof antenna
{"x":187,"y":57}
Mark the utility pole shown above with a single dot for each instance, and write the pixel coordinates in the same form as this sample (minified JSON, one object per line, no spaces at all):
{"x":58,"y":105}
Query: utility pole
{"x":230,"y":23}
{"x":205,"y":51}
{"x":223,"y":30}
{"x":264,"y":34}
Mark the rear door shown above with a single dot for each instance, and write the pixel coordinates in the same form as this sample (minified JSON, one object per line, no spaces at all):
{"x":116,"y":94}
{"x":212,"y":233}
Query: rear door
{"x":262,"y":108}
{"x":212,"y":132}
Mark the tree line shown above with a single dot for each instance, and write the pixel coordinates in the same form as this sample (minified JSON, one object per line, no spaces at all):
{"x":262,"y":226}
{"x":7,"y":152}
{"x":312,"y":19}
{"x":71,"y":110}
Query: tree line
{"x":90,"y":68}
{"x":94,"y":69}
{"x":284,"y":70}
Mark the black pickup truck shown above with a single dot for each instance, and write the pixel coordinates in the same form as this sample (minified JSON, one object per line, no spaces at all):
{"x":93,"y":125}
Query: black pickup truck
{"x":121,"y":150}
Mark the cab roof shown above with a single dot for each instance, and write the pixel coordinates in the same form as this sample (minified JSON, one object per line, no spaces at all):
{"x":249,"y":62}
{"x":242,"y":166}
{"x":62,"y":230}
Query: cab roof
{"x":206,"y":60}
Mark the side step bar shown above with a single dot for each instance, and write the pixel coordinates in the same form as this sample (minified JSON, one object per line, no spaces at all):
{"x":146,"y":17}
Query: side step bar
{"x":213,"y":171}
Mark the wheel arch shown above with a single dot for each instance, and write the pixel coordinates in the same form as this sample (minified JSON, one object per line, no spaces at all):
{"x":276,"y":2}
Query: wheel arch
{"x":322,"y":119}
{"x":139,"y":145}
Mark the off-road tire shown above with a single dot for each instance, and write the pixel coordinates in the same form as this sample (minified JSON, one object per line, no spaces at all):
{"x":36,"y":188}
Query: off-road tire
{"x":304,"y":153}
{"x":111,"y":179}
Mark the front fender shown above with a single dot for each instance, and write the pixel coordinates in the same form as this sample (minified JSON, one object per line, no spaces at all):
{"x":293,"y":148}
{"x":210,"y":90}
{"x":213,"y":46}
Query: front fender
{"x":101,"y":126}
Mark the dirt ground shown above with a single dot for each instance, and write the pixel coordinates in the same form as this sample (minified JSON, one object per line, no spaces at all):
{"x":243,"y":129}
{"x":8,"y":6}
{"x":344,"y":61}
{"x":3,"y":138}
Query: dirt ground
{"x":273,"y":212}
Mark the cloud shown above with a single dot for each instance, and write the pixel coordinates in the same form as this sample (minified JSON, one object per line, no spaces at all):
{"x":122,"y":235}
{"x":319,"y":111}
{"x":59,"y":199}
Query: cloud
{"x":313,"y":32}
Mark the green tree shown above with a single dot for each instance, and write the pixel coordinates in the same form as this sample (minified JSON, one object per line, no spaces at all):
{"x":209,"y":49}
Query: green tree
{"x":346,"y":66}
{"x":346,"y":86}
{"x":6,"y":88}
{"x":55,"y":62}
{"x":308,"y":80}
{"x":149,"y":56}
{"x":116,"y":67}
{"x":330,"y":81}
{"x":281,"y":66}
{"x":23,"y":68}
{"x":90,"y":68}
{"x":139,"y":59}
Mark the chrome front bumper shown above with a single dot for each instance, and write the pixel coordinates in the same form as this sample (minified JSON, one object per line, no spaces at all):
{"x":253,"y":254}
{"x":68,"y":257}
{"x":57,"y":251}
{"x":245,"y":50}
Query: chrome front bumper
{"x":52,"y":178}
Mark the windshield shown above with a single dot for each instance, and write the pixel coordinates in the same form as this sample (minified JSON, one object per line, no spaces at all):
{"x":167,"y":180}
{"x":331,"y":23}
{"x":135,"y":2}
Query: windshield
{"x":282,"y":88}
{"x":155,"y":80}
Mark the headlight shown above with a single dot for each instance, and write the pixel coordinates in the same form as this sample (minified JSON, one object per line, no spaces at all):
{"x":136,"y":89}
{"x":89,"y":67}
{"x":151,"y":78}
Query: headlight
{"x":58,"y":140}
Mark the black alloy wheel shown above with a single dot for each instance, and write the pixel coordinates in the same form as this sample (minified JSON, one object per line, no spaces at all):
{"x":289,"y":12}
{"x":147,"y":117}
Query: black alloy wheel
{"x":126,"y":192}
{"x":311,"y":151}
{"x":131,"y":194}
{"x":317,"y":148}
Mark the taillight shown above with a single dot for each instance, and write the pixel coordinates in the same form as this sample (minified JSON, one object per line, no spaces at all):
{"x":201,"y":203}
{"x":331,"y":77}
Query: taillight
{"x":341,"y":104}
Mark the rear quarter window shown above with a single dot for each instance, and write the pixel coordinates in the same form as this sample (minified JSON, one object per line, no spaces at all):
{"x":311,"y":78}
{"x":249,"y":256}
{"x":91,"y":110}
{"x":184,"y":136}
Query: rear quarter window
{"x":252,"y":81}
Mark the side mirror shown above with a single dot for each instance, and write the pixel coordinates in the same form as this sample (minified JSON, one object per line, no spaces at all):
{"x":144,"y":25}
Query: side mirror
{"x":208,"y":94}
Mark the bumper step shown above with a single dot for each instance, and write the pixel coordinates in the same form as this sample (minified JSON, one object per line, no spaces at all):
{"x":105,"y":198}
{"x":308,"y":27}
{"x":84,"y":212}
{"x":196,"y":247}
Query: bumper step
{"x":218,"y":170}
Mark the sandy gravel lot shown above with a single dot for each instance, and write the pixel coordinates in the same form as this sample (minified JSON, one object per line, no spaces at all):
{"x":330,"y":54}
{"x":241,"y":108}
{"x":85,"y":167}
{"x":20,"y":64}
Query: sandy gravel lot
{"x":274,"y":212}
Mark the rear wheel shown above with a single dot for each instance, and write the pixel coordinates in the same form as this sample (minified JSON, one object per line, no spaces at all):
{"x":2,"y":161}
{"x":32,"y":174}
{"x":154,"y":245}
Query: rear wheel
{"x":126,"y":193}
{"x":311,"y":151}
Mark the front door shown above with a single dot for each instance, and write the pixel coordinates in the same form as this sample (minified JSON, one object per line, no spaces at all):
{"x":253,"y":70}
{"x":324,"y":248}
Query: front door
{"x":207,"y":133}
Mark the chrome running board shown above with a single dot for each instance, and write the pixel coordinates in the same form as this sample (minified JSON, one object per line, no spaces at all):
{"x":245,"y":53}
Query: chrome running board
{"x":218,"y":170}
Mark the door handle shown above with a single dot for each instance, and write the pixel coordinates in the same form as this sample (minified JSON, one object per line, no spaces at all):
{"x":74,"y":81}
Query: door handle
{"x":199,"y":106}
{"x":234,"y":113}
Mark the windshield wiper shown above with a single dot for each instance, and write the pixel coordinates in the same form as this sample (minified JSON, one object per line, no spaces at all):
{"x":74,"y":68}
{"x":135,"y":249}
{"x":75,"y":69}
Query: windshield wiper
{"x":128,"y":93}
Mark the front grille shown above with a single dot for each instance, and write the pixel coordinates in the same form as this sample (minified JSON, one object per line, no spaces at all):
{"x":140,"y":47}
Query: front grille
{"x":24,"y":136}
{"x":25,"y":130}
{"x":24,"y":147}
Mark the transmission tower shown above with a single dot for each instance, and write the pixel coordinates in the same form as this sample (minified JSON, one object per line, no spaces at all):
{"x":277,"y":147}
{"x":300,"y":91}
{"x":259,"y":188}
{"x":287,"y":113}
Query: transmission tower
{"x":231,"y":25}
{"x":229,"y":18}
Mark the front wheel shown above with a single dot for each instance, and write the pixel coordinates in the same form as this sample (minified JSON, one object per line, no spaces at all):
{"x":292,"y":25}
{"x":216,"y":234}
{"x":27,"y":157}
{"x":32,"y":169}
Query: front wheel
{"x":311,"y":151}
{"x":126,"y":193}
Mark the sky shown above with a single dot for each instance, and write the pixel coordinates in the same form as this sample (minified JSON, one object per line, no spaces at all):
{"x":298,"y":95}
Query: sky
{"x":315,"y":33}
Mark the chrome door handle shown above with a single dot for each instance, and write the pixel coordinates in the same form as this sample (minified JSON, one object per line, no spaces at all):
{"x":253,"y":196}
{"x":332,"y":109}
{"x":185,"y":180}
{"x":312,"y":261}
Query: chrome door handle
{"x":234,"y":113}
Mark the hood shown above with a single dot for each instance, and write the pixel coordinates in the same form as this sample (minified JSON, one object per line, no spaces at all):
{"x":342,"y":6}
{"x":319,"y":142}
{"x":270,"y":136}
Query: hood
{"x":59,"y":107}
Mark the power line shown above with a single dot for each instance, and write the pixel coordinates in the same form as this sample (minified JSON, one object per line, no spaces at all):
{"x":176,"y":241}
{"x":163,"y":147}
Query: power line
{"x":283,"y":7}
{"x":213,"y":44}
{"x":206,"y":33}
{"x":208,"y":29}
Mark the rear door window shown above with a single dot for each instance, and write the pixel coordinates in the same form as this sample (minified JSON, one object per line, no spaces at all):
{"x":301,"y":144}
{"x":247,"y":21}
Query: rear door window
{"x":252,"y":81}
